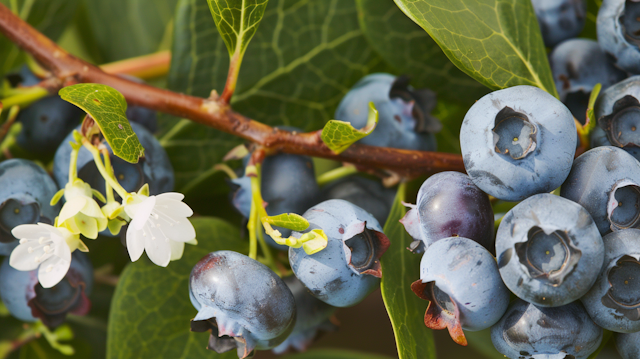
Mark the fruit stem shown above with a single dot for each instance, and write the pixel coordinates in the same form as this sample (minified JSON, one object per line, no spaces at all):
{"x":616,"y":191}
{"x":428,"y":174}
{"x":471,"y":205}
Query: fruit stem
{"x":26,"y":97}
{"x":11,"y":118}
{"x":103,"y":171}
{"x":73,"y":163}
{"x":336,"y":174}
{"x":107,"y":164}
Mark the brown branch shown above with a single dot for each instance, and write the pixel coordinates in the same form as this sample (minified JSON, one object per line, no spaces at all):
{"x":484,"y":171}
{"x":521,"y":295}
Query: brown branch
{"x":213,"y":112}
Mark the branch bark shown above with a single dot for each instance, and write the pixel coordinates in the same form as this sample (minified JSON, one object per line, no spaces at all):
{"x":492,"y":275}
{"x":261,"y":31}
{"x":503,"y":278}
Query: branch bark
{"x":214,"y":112}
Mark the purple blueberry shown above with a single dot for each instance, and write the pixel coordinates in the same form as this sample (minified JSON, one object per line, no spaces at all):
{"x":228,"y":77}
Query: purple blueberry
{"x":154,"y":168}
{"x":560,"y":20}
{"x":577,"y":66}
{"x":313,"y":316}
{"x":25,"y":192}
{"x":549,"y":250}
{"x":618,"y":32}
{"x":28,"y":301}
{"x":449,"y":204}
{"x":404,"y":120}
{"x":348,"y":269}
{"x":527,"y":331}
{"x":606,"y":182}
{"x":614,"y":300}
{"x":460,"y":279}
{"x":518,"y":142}
{"x":628,"y":345}
{"x":364,"y":193}
{"x":243,"y":302}
{"x":618,"y":113}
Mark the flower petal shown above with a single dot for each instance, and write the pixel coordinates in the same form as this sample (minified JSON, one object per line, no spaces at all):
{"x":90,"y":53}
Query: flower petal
{"x":182,"y":231}
{"x":30,"y":231}
{"x":71,"y":208}
{"x":177,"y":249}
{"x":176,"y":196}
{"x":52,"y":271}
{"x":142,"y":212}
{"x":22,"y":260}
{"x":157,"y":247}
{"x":92,"y":209}
{"x":135,"y":243}
{"x":173,"y":208}
{"x":88,"y":226}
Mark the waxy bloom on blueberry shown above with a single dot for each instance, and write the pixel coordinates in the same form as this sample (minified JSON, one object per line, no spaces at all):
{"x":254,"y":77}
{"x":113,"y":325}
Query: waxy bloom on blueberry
{"x":45,"y":247}
{"x":159,"y":225}
{"x":81,"y":214}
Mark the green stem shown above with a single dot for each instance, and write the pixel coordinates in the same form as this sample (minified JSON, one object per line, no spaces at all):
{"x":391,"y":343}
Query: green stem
{"x":251,"y":226}
{"x":107,"y":164}
{"x":232,"y":76}
{"x":103,"y":171}
{"x":25,"y":97}
{"x":335,"y":174}
{"x":73,"y":164}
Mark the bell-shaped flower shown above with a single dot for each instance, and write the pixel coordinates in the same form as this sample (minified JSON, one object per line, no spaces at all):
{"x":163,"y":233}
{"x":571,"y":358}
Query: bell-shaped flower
{"x":81,"y":214}
{"x":159,"y":226}
{"x":44,"y":247}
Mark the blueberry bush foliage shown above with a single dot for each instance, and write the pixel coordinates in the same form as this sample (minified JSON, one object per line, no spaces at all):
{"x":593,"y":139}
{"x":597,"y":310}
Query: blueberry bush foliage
{"x":281,"y":63}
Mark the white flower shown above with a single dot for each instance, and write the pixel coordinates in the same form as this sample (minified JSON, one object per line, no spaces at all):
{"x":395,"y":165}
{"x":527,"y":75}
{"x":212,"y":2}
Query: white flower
{"x":81,"y":214}
{"x":44,"y":246}
{"x":159,"y":226}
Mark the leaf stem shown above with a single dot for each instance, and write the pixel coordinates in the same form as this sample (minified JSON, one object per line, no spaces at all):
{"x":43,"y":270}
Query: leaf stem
{"x":336,"y":174}
{"x":26,"y":97}
{"x":232,"y":76}
{"x":103,"y":171}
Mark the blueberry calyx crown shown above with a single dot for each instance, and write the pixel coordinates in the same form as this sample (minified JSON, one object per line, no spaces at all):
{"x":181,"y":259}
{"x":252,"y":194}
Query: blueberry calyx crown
{"x":51,"y":305}
{"x":630,"y":23}
{"x":14,"y":213}
{"x":548,"y":257}
{"x":221,"y":344}
{"x":514,"y":134}
{"x":424,"y":101}
{"x":624,"y":294}
{"x":623,"y":208}
{"x":622,"y":126}
{"x":364,"y":249}
{"x":442,"y":312}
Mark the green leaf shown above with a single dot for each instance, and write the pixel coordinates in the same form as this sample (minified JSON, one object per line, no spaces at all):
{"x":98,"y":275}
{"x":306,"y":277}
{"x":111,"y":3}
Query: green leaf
{"x":150,"y":310}
{"x":48,"y":16}
{"x":339,"y":135}
{"x":119,"y":29}
{"x":292,"y":221}
{"x":237,"y":21}
{"x":302,"y":60}
{"x":497,"y":42}
{"x":399,"y":269}
{"x":335,"y":354}
{"x":411,"y":51}
{"x":107,"y":106}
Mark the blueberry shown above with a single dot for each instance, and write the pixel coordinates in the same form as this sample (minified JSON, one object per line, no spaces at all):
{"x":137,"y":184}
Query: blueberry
{"x":618,"y":113}
{"x":348,"y":269}
{"x":602,"y":181}
{"x":628,"y":345}
{"x":527,"y":331}
{"x":577,"y":66}
{"x":614,"y":300}
{"x":312,"y":317}
{"x":449,"y":204}
{"x":154,"y":168}
{"x":364,"y":193}
{"x":549,"y":250}
{"x":243,"y":302}
{"x":460,"y":279}
{"x":25,"y":192}
{"x":518,"y":142}
{"x":618,"y":32}
{"x":28,"y":301}
{"x":404,"y":120}
{"x":288,"y":186}
{"x":560,"y":19}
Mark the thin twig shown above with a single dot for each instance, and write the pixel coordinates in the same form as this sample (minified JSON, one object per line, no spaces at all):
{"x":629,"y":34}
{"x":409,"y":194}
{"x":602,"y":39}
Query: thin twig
{"x":68,"y":69}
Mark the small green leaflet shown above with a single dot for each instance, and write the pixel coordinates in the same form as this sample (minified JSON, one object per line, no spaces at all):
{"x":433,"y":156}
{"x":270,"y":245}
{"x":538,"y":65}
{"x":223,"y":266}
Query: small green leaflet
{"x":339,"y":135}
{"x":497,"y":42}
{"x":237,"y":21}
{"x":107,"y":106}
{"x":291,"y":221}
